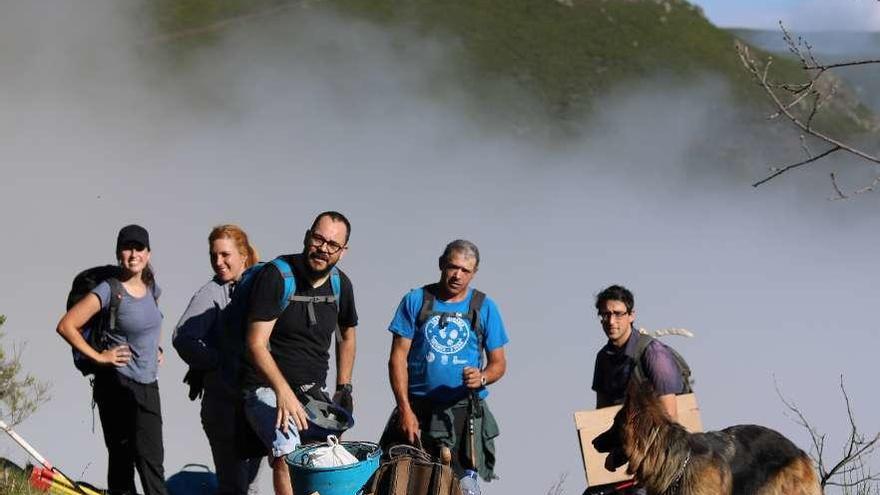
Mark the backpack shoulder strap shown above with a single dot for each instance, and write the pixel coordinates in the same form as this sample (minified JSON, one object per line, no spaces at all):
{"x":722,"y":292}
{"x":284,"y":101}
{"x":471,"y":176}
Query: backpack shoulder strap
{"x":289,"y":280}
{"x":641,"y":346}
{"x":400,"y":472}
{"x":336,"y":283}
{"x":116,"y":291}
{"x":427,"y":305}
{"x":444,"y":484}
{"x":477,"y":300}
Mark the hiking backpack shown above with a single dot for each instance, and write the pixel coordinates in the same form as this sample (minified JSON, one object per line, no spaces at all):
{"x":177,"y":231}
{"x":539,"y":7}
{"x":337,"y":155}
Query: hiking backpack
{"x":95,"y":330}
{"x":411,"y":471}
{"x":232,"y":341}
{"x":639,"y":373}
{"x":426,"y":312}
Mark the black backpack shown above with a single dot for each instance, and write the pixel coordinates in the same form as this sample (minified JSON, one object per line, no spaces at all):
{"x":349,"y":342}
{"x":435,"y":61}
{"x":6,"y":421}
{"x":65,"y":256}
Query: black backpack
{"x":95,"y":330}
{"x":473,"y":314}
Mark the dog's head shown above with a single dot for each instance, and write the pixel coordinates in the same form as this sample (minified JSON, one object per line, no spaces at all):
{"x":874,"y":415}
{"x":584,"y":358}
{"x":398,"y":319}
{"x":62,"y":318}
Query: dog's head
{"x":609,"y":442}
{"x":628,"y":432}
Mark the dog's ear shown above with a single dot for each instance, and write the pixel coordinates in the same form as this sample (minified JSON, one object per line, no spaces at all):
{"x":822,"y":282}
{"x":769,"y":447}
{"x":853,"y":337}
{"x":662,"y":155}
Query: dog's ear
{"x":640,"y":392}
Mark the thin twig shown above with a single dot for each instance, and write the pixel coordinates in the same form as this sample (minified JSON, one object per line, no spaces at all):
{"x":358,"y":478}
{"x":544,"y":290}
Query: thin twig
{"x":779,"y":171}
{"x":840,"y":194}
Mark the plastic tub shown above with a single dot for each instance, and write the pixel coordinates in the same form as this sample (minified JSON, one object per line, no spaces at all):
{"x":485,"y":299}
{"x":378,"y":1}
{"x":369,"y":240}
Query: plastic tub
{"x":192,"y":479}
{"x":341,"y":480}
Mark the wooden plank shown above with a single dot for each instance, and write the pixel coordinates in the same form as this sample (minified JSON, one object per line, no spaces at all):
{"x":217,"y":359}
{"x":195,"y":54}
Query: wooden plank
{"x":591,"y":423}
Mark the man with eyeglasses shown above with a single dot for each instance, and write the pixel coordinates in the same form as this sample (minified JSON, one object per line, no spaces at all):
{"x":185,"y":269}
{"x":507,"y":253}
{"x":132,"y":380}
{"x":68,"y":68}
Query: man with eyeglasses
{"x":623,"y":358}
{"x":437,"y":372}
{"x":289,"y":348}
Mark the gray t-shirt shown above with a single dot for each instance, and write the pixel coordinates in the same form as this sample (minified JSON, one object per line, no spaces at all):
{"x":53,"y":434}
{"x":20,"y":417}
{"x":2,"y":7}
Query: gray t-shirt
{"x":138,"y":324}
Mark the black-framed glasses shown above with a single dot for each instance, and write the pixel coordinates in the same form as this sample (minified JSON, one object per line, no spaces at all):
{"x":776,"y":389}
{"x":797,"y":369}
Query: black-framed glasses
{"x":317,"y":240}
{"x":607,"y":315}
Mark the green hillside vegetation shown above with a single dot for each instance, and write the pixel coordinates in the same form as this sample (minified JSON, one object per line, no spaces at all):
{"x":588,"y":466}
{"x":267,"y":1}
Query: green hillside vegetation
{"x":563,"y":52}
{"x":13,"y":480}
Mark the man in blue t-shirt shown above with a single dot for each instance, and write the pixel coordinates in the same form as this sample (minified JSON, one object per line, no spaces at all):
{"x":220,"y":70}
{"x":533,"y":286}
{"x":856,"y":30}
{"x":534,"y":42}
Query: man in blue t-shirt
{"x":438,"y":375}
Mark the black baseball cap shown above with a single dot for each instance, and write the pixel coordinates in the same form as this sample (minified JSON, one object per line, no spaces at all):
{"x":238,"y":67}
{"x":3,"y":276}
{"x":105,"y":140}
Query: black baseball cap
{"x":132,"y":233}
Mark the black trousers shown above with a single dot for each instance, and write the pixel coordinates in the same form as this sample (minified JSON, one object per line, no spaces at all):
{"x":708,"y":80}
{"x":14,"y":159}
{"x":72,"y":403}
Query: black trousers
{"x":131,"y":418}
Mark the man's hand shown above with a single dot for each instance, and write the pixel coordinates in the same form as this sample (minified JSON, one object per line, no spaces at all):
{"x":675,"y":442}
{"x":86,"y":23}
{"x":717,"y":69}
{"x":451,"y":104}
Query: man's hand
{"x":343,"y":398}
{"x":472,"y":377}
{"x":117,"y":356}
{"x":408,"y":424}
{"x":289,"y":409}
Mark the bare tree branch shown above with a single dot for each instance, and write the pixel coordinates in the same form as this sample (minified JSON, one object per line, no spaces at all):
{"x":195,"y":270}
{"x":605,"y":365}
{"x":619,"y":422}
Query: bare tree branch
{"x":810,"y":96}
{"x":558,"y":488}
{"x":851,"y":470}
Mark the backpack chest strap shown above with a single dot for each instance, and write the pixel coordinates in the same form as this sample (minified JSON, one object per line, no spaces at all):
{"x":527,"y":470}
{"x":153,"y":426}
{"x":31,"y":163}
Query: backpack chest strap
{"x":310,"y":301}
{"x":445,"y":316}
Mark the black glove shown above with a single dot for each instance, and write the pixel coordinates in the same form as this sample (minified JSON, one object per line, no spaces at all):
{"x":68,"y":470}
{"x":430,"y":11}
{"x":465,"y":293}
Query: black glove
{"x":196,"y":381}
{"x":343,"y":399}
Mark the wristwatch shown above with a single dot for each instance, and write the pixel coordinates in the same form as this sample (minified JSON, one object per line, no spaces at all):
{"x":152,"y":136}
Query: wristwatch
{"x":482,"y":379}
{"x":344,"y":387}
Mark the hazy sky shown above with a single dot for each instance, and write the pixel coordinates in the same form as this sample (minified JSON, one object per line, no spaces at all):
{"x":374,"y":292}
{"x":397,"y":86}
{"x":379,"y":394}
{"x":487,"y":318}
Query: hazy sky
{"x":859,"y":15}
{"x":277,"y":121}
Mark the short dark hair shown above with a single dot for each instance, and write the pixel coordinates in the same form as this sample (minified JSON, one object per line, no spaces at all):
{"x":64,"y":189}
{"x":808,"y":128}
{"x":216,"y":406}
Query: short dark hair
{"x":336,"y":217}
{"x":616,"y":293}
{"x":461,"y":246}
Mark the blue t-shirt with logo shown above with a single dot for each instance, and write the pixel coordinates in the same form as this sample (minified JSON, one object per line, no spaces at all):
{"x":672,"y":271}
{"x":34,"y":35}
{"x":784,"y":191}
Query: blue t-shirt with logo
{"x":438,"y":353}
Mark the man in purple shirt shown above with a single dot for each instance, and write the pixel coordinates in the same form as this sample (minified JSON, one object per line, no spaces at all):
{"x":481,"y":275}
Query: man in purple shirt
{"x":623,"y":358}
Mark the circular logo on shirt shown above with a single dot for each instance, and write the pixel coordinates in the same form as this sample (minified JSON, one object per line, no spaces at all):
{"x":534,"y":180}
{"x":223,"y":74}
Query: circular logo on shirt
{"x":449,"y":339}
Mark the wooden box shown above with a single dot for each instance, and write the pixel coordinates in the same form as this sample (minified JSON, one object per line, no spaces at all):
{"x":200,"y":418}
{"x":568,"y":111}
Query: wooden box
{"x":590,"y":424}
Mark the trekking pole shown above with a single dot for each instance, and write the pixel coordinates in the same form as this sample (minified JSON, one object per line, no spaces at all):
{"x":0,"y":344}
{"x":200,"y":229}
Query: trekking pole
{"x":473,"y":403}
{"x":26,"y":446}
{"x":49,"y":474}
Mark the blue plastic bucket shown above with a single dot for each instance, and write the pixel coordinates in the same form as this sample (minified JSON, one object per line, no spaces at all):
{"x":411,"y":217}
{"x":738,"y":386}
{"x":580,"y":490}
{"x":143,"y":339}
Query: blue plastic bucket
{"x":341,"y":480}
{"x":192,"y":479}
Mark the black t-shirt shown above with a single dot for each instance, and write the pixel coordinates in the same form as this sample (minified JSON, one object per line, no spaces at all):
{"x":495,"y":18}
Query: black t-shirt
{"x":300,"y":351}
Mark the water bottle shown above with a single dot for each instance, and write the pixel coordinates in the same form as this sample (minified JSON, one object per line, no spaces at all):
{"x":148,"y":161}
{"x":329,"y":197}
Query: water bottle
{"x":469,"y":483}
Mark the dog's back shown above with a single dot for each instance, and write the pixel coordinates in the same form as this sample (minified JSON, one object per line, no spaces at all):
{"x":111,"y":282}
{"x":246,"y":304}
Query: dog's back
{"x":763,"y":461}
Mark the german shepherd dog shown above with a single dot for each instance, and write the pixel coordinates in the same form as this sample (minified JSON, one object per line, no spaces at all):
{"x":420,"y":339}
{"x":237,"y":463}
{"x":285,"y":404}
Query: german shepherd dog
{"x":665,"y":459}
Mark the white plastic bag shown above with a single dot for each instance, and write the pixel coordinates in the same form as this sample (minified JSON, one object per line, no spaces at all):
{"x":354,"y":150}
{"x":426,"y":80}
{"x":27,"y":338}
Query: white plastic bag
{"x":333,"y":455}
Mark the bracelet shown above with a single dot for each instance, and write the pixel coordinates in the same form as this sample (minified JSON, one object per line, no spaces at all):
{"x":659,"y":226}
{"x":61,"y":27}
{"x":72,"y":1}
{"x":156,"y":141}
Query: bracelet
{"x":482,"y":380}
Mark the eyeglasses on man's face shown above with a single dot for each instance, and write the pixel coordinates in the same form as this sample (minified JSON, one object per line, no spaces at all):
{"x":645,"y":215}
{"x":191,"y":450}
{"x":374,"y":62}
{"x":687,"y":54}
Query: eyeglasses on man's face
{"x":608,"y":315}
{"x":317,"y":240}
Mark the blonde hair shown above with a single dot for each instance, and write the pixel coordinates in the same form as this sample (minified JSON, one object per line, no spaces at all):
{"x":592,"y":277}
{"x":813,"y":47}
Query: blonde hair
{"x":240,"y":238}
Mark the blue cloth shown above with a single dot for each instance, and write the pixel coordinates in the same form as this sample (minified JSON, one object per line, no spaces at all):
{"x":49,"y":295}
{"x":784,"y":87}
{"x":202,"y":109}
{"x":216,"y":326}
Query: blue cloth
{"x":138,"y":324}
{"x":261,"y":410}
{"x":437,"y":356}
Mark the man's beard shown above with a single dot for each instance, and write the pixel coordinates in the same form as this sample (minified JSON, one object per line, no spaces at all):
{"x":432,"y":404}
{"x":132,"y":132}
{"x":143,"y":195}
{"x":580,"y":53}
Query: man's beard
{"x":316,"y":274}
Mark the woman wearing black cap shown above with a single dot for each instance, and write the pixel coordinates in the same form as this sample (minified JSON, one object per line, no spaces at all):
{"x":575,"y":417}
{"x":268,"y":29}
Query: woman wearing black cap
{"x":126,"y":388}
